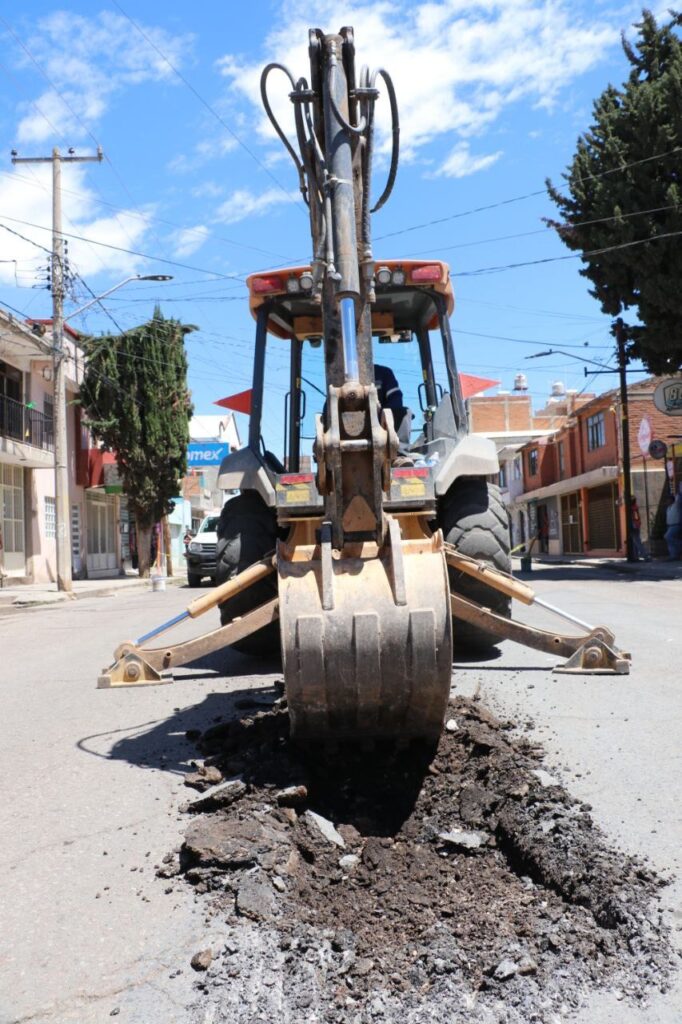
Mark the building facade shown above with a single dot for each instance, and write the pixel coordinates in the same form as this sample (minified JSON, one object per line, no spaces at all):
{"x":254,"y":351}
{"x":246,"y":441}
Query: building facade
{"x":27,"y":486}
{"x":573,"y":491}
{"x":27,"y":495}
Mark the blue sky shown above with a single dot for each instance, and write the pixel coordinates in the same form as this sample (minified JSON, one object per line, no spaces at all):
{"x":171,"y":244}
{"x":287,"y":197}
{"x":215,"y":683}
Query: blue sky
{"x":492,"y":96}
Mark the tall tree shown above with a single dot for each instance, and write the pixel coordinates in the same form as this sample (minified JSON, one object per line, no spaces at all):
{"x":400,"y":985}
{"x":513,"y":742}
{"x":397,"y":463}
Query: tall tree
{"x":623,"y":210}
{"x":137,"y":404}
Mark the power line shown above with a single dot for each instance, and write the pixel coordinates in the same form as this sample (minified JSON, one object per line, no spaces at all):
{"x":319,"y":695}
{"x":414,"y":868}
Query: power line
{"x":571,"y":256}
{"x":25,"y":239}
{"x":74,"y":113}
{"x":131,"y":252}
{"x":517,"y":341}
{"x":527,"y":195}
{"x":148,"y":218}
{"x":205,"y":102}
{"x":549,"y":227}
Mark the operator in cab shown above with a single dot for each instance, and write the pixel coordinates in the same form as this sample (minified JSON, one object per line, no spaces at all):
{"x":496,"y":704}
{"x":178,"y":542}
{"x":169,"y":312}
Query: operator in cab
{"x":391,"y":397}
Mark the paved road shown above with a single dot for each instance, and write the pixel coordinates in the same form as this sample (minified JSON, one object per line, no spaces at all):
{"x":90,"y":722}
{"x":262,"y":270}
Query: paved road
{"x":93,"y":779}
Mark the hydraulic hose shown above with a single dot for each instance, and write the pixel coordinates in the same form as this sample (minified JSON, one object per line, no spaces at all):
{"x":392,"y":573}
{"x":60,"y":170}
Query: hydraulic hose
{"x":274,"y":66}
{"x":395,"y":133}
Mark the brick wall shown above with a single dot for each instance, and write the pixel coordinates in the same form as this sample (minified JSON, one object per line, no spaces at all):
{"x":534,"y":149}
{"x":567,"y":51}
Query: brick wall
{"x":500,"y":412}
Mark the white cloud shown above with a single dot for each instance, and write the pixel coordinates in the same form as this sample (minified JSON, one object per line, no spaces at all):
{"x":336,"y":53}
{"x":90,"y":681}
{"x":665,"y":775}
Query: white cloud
{"x":456,"y":65}
{"x":207,"y":190}
{"x":460,"y":162}
{"x":189,"y":240}
{"x":243,"y":203}
{"x":88,"y":60}
{"x":29,"y":202}
{"x":205,"y":152}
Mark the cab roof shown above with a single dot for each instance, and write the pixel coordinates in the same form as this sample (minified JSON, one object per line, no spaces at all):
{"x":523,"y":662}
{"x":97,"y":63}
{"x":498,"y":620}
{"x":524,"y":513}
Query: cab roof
{"x":403,"y":303}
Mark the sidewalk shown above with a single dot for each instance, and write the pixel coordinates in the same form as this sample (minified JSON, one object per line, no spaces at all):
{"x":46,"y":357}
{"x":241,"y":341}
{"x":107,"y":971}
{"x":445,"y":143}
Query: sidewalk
{"x":656,"y":569}
{"x":14,"y":597}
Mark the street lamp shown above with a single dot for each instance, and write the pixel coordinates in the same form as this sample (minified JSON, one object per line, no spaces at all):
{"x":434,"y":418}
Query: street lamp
{"x":569,"y":355}
{"x":61,"y":472}
{"x":135,"y":277}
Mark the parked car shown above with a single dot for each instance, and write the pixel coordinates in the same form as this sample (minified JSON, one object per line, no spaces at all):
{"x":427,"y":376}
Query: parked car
{"x":201,"y":552}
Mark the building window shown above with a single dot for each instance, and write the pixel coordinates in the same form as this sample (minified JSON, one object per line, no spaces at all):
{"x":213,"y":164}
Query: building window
{"x":561,"y":455}
{"x":532,"y":461}
{"x":503,"y":475}
{"x":50,"y":519}
{"x":596,"y":437}
{"x":12,"y":508}
{"x":517,"y":469}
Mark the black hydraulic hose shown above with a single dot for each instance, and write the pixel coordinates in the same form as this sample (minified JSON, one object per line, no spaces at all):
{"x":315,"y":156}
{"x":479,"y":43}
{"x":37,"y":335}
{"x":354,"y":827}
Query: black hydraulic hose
{"x":350,"y":128}
{"x":275,"y":124}
{"x":395,"y":129}
{"x":365,"y":225}
{"x":314,"y":163}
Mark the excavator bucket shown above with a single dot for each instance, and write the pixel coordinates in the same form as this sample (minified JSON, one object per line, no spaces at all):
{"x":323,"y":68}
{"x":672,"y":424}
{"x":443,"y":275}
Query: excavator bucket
{"x":366,"y":638}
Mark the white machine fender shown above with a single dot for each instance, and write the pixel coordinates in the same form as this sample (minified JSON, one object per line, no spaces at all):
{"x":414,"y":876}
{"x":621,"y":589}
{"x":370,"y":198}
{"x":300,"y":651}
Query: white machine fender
{"x":243,"y":470}
{"x":472,"y":456}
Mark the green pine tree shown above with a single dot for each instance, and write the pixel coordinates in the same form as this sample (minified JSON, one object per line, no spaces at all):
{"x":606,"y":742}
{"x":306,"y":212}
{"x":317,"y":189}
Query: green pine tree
{"x":623,"y":210}
{"x":137,"y":403}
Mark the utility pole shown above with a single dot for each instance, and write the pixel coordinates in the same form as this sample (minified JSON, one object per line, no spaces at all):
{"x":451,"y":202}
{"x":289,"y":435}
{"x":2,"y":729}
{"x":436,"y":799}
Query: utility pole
{"x":61,"y":463}
{"x":619,"y":331}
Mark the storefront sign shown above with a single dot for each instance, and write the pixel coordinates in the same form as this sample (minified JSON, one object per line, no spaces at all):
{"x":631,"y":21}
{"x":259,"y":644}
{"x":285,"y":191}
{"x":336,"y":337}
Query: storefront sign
{"x":206,"y":453}
{"x":668,"y":397}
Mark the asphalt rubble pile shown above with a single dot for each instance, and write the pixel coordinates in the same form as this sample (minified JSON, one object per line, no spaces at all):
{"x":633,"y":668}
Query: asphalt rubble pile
{"x":395,"y":885}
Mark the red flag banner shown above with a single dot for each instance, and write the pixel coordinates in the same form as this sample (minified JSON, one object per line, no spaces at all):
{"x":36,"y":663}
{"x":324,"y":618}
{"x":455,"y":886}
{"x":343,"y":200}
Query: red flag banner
{"x":240,"y":402}
{"x":472,"y":385}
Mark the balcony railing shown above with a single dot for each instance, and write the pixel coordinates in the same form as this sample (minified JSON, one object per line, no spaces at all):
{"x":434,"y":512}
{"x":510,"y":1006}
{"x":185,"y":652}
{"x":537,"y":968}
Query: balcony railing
{"x":22,"y":423}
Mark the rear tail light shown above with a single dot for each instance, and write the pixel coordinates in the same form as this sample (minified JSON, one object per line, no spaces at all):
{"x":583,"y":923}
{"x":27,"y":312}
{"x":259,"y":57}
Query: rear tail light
{"x":267,"y":285}
{"x":429,"y":272}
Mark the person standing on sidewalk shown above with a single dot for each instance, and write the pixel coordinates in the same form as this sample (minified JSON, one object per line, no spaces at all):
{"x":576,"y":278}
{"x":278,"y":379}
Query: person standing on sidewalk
{"x":673,"y":524}
{"x":636,"y":527}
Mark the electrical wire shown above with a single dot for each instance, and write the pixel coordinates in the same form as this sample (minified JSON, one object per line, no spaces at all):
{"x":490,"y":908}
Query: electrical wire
{"x":131,"y":252}
{"x":147,"y":218}
{"x":203,"y":101}
{"x":570,"y":256}
{"x":527,"y":195}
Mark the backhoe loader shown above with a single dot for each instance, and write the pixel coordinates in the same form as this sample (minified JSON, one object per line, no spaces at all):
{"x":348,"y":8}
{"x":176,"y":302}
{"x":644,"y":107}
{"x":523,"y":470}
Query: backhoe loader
{"x":361,"y":565}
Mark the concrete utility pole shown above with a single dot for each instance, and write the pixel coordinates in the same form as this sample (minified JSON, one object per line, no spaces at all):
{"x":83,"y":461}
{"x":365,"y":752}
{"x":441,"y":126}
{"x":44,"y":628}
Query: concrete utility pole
{"x":61,"y":465}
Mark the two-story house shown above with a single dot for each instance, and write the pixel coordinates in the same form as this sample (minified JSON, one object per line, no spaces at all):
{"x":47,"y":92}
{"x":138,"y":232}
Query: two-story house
{"x":573,"y":479}
{"x":27,"y":494}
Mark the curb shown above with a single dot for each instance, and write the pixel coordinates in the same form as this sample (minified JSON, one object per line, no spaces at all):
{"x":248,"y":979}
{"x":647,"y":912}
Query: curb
{"x":58,"y":600}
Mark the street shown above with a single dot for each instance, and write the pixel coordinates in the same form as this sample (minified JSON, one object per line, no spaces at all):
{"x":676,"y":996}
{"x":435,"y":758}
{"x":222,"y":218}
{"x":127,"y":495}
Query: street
{"x":94,"y":781}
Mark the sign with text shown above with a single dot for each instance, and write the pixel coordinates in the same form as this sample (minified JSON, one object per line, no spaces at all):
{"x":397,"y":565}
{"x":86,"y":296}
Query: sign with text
{"x":201,"y":454}
{"x":668,"y":397}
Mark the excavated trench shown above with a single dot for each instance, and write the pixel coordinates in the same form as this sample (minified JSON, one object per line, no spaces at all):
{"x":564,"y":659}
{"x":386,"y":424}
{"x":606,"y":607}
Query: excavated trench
{"x":395,"y":885}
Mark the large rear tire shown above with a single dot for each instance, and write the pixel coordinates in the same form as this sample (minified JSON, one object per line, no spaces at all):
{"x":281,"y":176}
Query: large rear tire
{"x":247,"y":531}
{"x":475,"y":521}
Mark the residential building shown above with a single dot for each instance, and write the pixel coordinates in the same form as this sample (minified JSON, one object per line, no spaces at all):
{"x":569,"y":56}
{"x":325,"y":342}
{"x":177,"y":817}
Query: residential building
{"x":508,"y":419}
{"x":27,"y":495}
{"x":27,"y":485}
{"x":573,"y":490}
